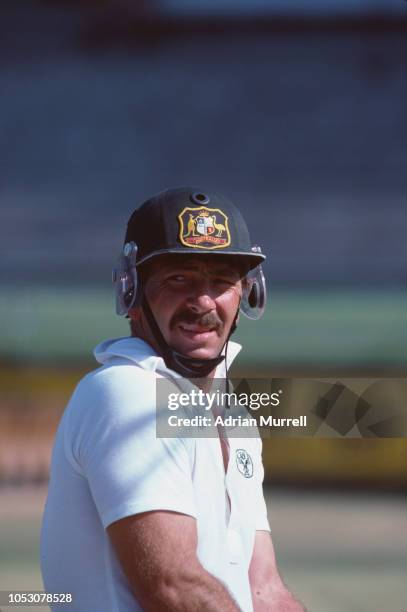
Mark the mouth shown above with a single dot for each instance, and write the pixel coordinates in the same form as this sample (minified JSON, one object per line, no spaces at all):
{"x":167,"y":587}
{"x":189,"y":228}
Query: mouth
{"x":196,"y":332}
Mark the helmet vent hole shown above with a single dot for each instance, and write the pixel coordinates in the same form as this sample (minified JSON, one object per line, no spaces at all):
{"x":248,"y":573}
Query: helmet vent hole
{"x":200,"y":198}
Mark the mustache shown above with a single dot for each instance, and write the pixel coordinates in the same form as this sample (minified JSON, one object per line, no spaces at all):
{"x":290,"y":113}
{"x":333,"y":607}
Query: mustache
{"x":207,"y":319}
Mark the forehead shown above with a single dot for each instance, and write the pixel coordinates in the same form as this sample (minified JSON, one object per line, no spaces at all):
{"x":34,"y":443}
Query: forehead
{"x":205,"y":264}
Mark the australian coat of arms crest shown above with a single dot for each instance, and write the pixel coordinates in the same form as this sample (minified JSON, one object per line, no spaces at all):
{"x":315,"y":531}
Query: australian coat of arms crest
{"x":204,"y":227}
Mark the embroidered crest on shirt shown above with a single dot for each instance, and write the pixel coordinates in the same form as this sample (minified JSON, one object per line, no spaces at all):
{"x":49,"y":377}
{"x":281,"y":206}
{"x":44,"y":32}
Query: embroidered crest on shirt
{"x":204,"y":228}
{"x":244,"y":463}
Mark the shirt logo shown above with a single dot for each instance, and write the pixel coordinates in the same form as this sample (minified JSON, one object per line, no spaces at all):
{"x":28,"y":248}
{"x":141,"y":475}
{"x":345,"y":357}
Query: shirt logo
{"x":204,"y":228}
{"x":244,"y":463}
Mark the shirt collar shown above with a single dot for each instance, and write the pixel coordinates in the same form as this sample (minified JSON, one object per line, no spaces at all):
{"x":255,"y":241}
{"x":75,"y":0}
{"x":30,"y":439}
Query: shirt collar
{"x":140,"y":352}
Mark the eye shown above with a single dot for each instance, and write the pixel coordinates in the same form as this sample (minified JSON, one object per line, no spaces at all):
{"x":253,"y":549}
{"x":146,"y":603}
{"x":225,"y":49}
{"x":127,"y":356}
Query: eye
{"x":176,"y":278}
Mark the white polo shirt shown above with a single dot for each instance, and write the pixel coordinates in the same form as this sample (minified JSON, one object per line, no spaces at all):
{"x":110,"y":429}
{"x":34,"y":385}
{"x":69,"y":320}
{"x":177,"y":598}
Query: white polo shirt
{"x":108,"y":463}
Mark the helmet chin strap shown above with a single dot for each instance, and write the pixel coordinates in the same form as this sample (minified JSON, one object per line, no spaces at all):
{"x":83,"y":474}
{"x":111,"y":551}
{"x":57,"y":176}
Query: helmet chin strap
{"x":189,"y":367}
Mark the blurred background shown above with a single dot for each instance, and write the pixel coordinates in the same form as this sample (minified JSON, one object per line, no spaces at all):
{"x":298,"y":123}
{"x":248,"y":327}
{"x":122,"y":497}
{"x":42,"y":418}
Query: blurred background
{"x":297,"y":112}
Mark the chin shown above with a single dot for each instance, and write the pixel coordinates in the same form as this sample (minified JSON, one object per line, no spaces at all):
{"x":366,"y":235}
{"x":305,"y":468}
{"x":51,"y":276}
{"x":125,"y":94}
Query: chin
{"x":199,"y":352}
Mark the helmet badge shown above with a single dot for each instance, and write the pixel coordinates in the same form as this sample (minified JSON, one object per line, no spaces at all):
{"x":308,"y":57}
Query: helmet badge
{"x":204,"y":228}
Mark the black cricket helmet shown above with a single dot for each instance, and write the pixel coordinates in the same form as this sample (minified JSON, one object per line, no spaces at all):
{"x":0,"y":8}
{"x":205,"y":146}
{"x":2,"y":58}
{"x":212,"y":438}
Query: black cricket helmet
{"x":188,"y":221}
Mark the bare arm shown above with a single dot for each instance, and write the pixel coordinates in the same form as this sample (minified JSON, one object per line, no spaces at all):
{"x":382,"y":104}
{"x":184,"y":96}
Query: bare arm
{"x":268,"y":590}
{"x":157,"y":551}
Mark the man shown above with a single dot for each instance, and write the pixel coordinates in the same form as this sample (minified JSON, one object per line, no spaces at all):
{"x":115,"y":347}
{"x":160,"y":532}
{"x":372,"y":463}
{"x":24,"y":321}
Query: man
{"x":134,"y":521}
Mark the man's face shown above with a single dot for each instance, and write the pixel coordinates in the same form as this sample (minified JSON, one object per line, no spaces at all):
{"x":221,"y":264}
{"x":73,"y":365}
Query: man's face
{"x":194,"y":301}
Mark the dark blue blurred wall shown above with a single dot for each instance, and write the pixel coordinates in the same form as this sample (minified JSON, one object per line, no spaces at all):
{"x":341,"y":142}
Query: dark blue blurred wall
{"x":305,"y":128}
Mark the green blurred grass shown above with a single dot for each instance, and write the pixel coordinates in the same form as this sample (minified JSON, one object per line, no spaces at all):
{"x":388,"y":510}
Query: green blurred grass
{"x":316,"y":328}
{"x":19,"y":557}
{"x":337,"y":552}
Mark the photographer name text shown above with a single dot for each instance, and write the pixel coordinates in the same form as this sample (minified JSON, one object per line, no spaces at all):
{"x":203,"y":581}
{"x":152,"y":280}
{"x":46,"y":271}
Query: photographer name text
{"x":236,"y":421}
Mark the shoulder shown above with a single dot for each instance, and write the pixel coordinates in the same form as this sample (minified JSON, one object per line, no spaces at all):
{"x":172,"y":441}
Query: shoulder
{"x":114,"y":393}
{"x":118,"y":376}
{"x":113,"y":407}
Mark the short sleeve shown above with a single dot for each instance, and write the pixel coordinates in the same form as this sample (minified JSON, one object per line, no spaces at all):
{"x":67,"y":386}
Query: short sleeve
{"x":112,"y":440}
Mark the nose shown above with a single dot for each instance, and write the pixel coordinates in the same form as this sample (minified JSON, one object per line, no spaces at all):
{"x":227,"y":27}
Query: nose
{"x":201,"y":299}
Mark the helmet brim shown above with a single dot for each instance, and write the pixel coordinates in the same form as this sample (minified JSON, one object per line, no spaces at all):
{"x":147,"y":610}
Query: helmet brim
{"x":251,"y":260}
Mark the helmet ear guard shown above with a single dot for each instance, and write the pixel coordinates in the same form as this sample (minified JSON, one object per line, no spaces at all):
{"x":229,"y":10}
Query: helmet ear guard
{"x":124,"y":278}
{"x":254,"y":295}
